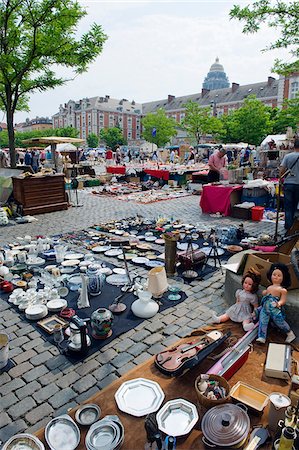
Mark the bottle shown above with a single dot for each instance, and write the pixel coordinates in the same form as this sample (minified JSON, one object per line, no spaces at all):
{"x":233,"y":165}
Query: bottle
{"x":159,"y":443}
{"x":170,"y":443}
{"x":287,"y":439}
{"x":290,"y":417}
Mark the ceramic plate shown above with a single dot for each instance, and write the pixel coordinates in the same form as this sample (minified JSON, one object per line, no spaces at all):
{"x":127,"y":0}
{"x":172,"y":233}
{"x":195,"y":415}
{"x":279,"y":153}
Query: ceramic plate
{"x":105,"y":270}
{"x":36,"y":262}
{"x":113,"y":252}
{"x":160,"y":241}
{"x":62,"y":433}
{"x":177,"y":417}
{"x":178,"y":225}
{"x":67,"y":269}
{"x":150,"y":238}
{"x":140,"y":260}
{"x":101,"y":248}
{"x":74,"y":256}
{"x":117,"y":280}
{"x":140,"y":237}
{"x":119,"y":270}
{"x":128,"y":256}
{"x":139,"y":397}
{"x":50,"y":267}
{"x":24,"y":441}
{"x":144,"y":247}
{"x":56,"y":305}
{"x":70,"y":262}
{"x":207,"y":250}
{"x":152,"y":264}
{"x":36,"y":312}
{"x":184,"y":246}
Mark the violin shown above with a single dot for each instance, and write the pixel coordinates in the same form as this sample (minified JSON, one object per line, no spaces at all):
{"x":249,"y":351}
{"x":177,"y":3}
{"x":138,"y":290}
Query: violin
{"x":183,"y":357}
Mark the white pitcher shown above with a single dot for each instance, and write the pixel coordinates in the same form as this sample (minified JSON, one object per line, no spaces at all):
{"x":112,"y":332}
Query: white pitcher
{"x":3,"y":350}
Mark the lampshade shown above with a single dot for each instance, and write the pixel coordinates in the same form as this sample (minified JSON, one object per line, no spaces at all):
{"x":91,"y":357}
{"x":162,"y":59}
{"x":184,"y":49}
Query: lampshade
{"x":157,"y":281}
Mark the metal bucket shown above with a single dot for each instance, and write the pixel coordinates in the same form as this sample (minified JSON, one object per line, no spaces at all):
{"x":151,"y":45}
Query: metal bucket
{"x":3,"y":350}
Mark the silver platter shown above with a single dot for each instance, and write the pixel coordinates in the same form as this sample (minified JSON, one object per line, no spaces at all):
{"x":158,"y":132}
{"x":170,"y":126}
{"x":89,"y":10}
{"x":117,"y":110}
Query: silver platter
{"x":62,"y":433}
{"x":139,"y":397}
{"x":23,"y":441}
{"x":177,"y":417}
{"x":87,"y":414}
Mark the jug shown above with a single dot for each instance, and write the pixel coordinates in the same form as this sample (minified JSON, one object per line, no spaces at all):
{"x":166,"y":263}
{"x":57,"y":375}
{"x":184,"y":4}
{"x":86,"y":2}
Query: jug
{"x":278,"y":405}
{"x":157,"y":281}
{"x":3,"y":350}
{"x":79,"y":340}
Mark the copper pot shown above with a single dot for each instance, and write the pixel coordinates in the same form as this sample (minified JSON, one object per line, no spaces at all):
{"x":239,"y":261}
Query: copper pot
{"x":225,"y":426}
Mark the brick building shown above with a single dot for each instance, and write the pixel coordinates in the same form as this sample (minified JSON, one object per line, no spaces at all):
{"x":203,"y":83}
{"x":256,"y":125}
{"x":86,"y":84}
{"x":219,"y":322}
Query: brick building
{"x":39,"y":123}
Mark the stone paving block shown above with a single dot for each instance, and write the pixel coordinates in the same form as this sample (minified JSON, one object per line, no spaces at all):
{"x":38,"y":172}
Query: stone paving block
{"x":124,"y":369}
{"x":38,"y":425}
{"x":84,"y":383}
{"x":87,"y":367}
{"x":4,"y":378}
{"x":184,"y":331}
{"x":13,"y":329}
{"x":39,"y":413}
{"x":8,"y":400}
{"x":153,"y":339}
{"x":170,"y":330}
{"x":196,"y":323}
{"x":108,"y":380}
{"x":18,"y":342}
{"x":33,"y":343}
{"x":154,"y":326}
{"x":41,"y":358}
{"x":35,"y":373}
{"x":44,"y":393}
{"x":11,"y":429}
{"x":49,"y":377}
{"x":192,"y":314}
{"x":87,"y":394}
{"x":182,"y":321}
{"x":67,"y":380}
{"x":137,"y":348}
{"x":142,"y":357}
{"x":12,"y":386}
{"x":170,"y":340}
{"x":65,"y":408}
{"x":24,"y":330}
{"x":121,"y":359}
{"x":56,"y":362}
{"x":21,"y":408}
{"x":106,"y":356}
{"x":156,"y":348}
{"x":27,"y":390}
{"x":24,"y":356}
{"x":124,"y":345}
{"x":62,"y":397}
{"x":20,"y":369}
{"x":33,"y":335}
{"x":103,"y":371}
{"x":15,"y":352}
{"x":168,"y":320}
{"x":140,"y":336}
{"x":4,"y":419}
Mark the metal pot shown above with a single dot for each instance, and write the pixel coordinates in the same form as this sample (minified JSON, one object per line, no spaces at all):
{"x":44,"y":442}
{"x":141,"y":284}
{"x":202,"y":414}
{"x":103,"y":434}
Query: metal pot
{"x":225,"y":426}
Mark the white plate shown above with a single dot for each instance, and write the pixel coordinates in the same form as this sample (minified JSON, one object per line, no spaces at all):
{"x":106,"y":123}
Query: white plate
{"x":177,"y":417}
{"x":74,"y":256}
{"x":113,"y":252}
{"x":117,"y":280}
{"x":140,"y":237}
{"x":50,"y":267}
{"x":128,"y":256}
{"x":56,"y":305}
{"x":70,"y":269}
{"x":184,"y":246}
{"x":105,"y":270}
{"x":36,"y":262}
{"x":160,"y":241}
{"x":206,"y":251}
{"x":139,"y":397}
{"x":119,"y":270}
{"x":140,"y":260}
{"x":150,"y":238}
{"x":36,"y":312}
{"x":101,"y":248}
{"x":179,"y":225}
{"x":154,"y":263}
{"x":70,"y":262}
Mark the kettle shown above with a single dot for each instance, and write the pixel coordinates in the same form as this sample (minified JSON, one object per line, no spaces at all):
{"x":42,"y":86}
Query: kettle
{"x":79,"y":341}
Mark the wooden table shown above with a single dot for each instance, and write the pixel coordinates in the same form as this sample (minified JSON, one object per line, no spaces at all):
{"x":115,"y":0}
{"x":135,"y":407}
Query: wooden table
{"x":40,"y":194}
{"x":182,"y":387}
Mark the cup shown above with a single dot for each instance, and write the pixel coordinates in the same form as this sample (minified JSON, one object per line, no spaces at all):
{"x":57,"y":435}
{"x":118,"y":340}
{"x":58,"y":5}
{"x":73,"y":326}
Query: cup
{"x":3,"y":350}
{"x":60,"y":251}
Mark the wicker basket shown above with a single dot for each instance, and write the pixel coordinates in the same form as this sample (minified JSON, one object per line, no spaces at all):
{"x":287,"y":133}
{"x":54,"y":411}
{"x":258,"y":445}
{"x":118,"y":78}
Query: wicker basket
{"x":206,"y":402}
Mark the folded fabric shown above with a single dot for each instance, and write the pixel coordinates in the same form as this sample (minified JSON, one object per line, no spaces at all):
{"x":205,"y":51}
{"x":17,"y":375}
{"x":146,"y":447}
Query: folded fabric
{"x":265,"y":248}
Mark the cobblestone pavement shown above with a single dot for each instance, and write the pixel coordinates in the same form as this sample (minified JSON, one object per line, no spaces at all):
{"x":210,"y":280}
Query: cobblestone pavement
{"x":43,"y":384}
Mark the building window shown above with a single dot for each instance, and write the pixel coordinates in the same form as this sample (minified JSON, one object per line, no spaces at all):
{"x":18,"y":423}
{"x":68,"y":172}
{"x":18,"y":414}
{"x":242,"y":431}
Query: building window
{"x":129,"y":135}
{"x":294,"y":89}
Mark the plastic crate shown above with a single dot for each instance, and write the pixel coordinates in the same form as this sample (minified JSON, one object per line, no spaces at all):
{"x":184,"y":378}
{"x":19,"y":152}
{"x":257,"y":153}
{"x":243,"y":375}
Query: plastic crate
{"x":258,"y":201}
{"x":255,"y":192}
{"x":241,"y":213}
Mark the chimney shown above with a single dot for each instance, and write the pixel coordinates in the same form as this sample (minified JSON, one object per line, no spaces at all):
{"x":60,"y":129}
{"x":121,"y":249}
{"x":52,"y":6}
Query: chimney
{"x":270,"y":81}
{"x":170,"y":98}
{"x":204,"y":92}
{"x":235,"y":87}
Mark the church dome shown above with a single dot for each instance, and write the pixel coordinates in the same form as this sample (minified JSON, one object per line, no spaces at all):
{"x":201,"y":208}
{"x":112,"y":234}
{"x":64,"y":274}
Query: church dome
{"x":216,"y":78}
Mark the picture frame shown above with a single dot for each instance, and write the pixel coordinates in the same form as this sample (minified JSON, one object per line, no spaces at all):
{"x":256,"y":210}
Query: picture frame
{"x":48,"y":324}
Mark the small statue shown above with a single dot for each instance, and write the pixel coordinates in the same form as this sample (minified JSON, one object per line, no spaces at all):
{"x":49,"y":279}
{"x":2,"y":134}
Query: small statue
{"x":83,"y":300}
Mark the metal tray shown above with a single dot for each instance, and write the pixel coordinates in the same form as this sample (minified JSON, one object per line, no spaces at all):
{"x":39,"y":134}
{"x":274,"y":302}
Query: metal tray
{"x":23,"y":441}
{"x":62,"y":433}
{"x":139,"y":397}
{"x":87,"y":414}
{"x":177,"y":417}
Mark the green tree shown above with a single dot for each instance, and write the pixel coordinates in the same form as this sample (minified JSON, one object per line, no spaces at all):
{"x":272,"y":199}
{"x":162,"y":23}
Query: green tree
{"x":287,"y":117}
{"x":64,"y":132}
{"x":36,"y":37}
{"x":279,"y":15}
{"x":92,"y":140}
{"x":112,"y":137}
{"x":158,"y":128}
{"x":199,"y":122}
{"x":251,"y":123}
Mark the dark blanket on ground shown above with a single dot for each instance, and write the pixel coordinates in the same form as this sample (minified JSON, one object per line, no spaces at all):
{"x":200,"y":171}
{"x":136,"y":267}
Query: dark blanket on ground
{"x":183,"y":387}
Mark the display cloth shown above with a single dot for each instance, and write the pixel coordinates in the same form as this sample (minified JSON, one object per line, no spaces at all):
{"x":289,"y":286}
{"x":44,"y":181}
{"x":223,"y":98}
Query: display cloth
{"x":121,"y":323}
{"x":218,"y":198}
{"x":183,"y":387}
{"x":158,"y":173}
{"x":121,"y":170}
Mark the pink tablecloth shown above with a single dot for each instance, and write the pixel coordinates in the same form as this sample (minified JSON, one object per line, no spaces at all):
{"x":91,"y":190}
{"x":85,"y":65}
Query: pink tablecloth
{"x":217,"y":199}
{"x":164,"y":174}
{"x":116,"y":169}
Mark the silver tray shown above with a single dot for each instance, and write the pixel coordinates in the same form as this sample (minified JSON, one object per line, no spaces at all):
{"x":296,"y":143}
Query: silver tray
{"x":177,"y":417}
{"x":23,"y":441}
{"x":62,"y":433}
{"x":87,"y":414}
{"x":139,"y":397}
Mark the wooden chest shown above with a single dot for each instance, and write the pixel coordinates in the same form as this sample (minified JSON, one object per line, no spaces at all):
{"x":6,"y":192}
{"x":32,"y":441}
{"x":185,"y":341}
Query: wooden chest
{"x":39,"y":195}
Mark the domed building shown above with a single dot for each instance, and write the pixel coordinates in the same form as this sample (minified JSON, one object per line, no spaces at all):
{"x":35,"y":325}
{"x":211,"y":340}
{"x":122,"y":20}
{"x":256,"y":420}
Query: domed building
{"x":216,"y":78}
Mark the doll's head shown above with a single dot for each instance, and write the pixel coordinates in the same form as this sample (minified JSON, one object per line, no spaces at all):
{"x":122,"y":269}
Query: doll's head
{"x":251,"y":281}
{"x":280,"y":273}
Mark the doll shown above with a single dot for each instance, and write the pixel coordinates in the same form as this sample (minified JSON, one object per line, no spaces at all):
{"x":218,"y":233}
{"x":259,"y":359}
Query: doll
{"x":246,"y":298}
{"x":274,"y":298}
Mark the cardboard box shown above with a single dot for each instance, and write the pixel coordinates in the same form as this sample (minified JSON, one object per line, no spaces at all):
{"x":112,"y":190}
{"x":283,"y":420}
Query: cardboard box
{"x":134,"y":179}
{"x":262,"y":262}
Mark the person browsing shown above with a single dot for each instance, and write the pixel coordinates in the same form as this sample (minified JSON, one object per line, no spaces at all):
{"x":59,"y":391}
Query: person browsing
{"x":290,"y":167}
{"x":217,"y":161}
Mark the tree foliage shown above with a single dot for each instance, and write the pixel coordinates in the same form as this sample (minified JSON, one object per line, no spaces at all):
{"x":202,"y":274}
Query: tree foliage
{"x":283,"y":16}
{"x":112,"y":137}
{"x":199,"y":122}
{"x":92,"y":140}
{"x":20,"y":136}
{"x":158,"y":128}
{"x":37,"y":36}
{"x":251,"y":123}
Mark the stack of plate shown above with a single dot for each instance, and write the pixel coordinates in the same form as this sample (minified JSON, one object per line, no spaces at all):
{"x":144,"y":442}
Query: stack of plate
{"x":36,"y":312}
{"x":106,"y":434}
{"x":56,"y":305}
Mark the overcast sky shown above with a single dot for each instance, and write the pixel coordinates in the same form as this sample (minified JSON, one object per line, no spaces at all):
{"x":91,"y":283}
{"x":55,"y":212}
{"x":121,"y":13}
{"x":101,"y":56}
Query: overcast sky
{"x":157,"y":47}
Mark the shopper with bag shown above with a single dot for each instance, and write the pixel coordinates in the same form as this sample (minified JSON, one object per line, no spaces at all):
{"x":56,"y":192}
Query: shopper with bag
{"x":290,"y":169}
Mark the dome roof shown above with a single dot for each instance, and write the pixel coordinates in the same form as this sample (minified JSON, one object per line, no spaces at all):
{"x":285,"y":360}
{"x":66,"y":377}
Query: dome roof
{"x":217,"y":67}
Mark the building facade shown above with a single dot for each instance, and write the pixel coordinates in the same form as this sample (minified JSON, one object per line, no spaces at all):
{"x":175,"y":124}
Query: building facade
{"x":39,"y":123}
{"x":216,"y":77}
{"x":91,"y":115}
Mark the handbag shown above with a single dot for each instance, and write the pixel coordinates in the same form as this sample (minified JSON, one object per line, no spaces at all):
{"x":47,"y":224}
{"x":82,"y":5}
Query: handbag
{"x":191,"y":258}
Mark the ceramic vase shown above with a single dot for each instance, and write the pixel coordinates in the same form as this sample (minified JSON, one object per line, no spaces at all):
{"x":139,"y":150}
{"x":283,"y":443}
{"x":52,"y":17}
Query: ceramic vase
{"x":95,"y":280}
{"x":101,"y":322}
{"x":83,"y":301}
{"x":145,"y":307}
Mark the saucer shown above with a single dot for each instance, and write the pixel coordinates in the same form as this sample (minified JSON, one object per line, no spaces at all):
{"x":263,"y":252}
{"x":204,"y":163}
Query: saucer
{"x":70,"y":262}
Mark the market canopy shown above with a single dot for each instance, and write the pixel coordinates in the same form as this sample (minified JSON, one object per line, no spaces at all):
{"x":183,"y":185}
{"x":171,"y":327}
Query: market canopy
{"x":67,"y":147}
{"x":53,"y":140}
{"x":277,"y":138}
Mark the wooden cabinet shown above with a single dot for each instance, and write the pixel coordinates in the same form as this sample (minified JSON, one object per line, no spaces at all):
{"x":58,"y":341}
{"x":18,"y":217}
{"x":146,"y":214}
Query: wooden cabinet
{"x":41,"y":194}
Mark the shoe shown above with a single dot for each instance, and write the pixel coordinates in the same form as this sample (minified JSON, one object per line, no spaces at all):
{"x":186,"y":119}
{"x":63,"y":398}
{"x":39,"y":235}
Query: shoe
{"x":261,"y":340}
{"x":248,"y":326}
{"x":215,"y":319}
{"x":290,"y":337}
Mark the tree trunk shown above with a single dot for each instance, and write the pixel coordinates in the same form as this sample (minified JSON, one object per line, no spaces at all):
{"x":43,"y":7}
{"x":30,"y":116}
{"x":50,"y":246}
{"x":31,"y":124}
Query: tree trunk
{"x":11,"y":138}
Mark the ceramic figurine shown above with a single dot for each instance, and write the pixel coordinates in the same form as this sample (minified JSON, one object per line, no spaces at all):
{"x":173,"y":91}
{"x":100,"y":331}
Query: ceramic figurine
{"x":83,"y":301}
{"x":101,"y":322}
